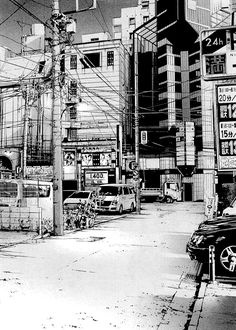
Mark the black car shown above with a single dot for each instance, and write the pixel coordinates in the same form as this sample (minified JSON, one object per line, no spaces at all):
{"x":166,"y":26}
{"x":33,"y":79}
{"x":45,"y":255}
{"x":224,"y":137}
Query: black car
{"x":220,"y":232}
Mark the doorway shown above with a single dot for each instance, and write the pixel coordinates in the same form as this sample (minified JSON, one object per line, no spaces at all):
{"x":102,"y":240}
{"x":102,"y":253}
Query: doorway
{"x":188,"y":192}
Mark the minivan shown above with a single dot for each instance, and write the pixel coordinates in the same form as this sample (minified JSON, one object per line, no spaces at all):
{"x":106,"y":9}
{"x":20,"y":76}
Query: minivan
{"x":116,"y":198}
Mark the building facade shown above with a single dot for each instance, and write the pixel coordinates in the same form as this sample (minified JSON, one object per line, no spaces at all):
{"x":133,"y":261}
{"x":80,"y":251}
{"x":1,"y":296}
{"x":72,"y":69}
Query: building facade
{"x":94,"y":113}
{"x":175,"y":111}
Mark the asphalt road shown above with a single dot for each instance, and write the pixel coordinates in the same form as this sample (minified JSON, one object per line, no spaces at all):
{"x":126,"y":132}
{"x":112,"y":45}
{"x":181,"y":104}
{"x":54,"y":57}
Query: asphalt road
{"x":130,"y":272}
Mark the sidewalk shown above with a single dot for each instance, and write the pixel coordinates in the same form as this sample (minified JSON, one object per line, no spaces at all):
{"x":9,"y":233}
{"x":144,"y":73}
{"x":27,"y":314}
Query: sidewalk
{"x":215,"y":307}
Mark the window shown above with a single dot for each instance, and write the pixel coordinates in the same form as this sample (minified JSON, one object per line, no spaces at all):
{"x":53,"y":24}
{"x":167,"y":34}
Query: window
{"x":41,"y":66}
{"x":35,"y":190}
{"x":73,"y":133}
{"x":8,"y":189}
{"x":117,"y":28}
{"x":73,"y":112}
{"x":145,"y":19}
{"x":91,"y":60}
{"x":126,"y":191}
{"x":110,"y":58}
{"x":73,"y":62}
{"x":145,"y":4}
{"x":131,"y":36}
{"x":131,"y":21}
{"x":94,"y":39}
{"x":73,"y":88}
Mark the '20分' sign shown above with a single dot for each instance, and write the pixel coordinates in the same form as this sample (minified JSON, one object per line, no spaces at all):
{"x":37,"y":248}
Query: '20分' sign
{"x":226,"y":113}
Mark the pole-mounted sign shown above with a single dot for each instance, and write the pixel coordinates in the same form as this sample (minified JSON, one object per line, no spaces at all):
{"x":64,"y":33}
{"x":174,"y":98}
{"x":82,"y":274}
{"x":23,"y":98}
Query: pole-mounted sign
{"x":225,"y":123}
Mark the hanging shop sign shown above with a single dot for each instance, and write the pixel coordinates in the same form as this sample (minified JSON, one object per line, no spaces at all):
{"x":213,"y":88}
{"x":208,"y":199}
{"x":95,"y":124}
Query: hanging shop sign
{"x":226,"y":126}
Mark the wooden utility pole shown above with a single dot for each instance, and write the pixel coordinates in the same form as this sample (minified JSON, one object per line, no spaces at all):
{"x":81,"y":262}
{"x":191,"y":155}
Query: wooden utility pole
{"x":56,"y":129}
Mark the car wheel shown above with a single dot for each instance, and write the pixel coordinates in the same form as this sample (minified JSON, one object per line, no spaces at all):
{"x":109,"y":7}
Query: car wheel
{"x":226,"y":257}
{"x":132,"y":207}
{"x":169,"y":199}
{"x":91,"y":221}
{"x":120,"y":209}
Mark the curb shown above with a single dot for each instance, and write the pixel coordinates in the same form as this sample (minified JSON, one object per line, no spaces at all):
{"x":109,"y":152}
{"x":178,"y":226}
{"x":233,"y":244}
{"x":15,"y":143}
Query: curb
{"x":193,"y":324}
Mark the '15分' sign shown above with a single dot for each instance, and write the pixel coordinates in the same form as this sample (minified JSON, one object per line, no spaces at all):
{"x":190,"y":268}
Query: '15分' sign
{"x":226,"y":114}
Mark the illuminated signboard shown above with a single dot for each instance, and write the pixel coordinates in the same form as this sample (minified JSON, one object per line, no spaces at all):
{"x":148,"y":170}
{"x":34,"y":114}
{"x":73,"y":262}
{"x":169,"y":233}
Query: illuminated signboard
{"x":226,"y":126}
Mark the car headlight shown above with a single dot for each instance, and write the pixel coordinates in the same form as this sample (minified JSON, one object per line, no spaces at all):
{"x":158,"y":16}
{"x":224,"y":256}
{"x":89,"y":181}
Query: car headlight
{"x":114,"y":202}
{"x":197,"y":239}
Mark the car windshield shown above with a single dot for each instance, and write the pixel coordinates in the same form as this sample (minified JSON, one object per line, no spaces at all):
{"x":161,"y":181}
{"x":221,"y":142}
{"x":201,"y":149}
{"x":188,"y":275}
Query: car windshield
{"x":109,"y":191}
{"x":80,"y":194}
{"x":233,"y":203}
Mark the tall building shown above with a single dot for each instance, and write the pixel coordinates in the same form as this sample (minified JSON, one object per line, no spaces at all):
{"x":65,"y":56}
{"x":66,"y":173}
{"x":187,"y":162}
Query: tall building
{"x":171,"y":102}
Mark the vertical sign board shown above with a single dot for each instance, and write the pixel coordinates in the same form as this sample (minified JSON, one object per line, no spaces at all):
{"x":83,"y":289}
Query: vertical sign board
{"x":189,"y":144}
{"x":185,"y":148}
{"x":180,"y":145}
{"x":218,"y":53}
{"x":226,"y":124}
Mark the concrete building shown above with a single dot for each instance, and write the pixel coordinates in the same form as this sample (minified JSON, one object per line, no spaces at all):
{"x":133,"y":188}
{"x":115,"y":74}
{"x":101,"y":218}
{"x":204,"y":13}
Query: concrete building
{"x":96,"y":122}
{"x":95,"y":117}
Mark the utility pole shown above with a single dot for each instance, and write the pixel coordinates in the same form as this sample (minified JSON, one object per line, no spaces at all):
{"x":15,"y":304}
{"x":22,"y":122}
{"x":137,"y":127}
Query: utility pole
{"x":58,"y":20}
{"x":26,"y":126}
{"x":136,"y":122}
{"x":56,"y":129}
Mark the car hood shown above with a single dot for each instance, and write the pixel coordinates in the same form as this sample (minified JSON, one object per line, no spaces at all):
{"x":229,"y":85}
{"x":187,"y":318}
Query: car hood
{"x":75,"y":200}
{"x":218,"y":221}
{"x":209,"y":229}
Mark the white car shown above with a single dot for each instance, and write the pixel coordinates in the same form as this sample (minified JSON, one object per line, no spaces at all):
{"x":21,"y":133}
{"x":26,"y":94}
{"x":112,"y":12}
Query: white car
{"x":78,"y":197}
{"x":230,"y":210}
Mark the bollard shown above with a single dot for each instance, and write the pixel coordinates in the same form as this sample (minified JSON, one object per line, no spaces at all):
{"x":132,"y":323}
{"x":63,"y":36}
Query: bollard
{"x":212,"y":268}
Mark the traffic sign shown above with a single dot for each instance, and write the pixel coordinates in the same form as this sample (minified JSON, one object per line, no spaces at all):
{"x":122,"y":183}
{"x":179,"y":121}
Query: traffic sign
{"x":133,"y":165}
{"x":135,"y":175}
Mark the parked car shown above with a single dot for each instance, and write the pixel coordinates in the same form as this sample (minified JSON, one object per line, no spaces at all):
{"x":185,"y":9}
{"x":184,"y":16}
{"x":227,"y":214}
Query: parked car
{"x":231,"y":209}
{"x":116,"y":198}
{"x":78,"y":197}
{"x":220,"y":232}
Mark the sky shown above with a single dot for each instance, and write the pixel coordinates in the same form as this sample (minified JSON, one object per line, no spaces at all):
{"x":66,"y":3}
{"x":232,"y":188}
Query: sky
{"x":15,"y":22}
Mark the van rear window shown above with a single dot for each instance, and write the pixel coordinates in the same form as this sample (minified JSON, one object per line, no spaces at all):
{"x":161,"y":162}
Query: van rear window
{"x":8,"y":189}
